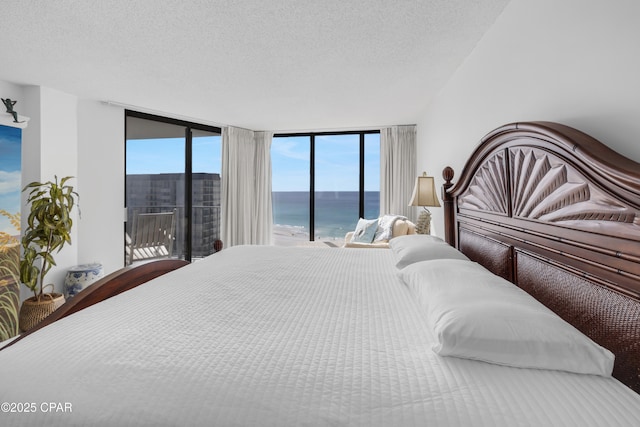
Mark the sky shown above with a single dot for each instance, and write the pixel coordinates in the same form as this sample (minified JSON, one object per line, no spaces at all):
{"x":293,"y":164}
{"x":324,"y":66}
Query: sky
{"x":166,"y":155}
{"x":10,"y":185}
{"x":337,"y":160}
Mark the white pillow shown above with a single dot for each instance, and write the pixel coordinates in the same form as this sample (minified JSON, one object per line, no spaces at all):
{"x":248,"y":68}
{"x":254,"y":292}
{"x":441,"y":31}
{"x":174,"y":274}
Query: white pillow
{"x":365,"y":230}
{"x":478,"y":315}
{"x":421,"y":247}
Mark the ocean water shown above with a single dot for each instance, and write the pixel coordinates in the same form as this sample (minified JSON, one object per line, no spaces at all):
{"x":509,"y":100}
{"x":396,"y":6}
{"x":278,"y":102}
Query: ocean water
{"x":336,"y":212}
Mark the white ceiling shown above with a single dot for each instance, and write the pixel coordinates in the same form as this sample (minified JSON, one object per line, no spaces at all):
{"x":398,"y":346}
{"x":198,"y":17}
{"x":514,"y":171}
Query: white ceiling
{"x":260,"y":64}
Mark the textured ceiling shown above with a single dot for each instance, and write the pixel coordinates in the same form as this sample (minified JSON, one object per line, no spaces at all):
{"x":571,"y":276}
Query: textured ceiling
{"x":264,"y":65}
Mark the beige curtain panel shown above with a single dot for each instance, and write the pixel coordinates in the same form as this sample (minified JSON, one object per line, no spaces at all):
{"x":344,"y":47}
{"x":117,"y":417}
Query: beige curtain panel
{"x":397,"y":170}
{"x":246,"y":187}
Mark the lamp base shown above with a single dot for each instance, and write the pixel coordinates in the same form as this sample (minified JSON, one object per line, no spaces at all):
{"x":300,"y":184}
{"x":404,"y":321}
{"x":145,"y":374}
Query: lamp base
{"x":423,"y":226}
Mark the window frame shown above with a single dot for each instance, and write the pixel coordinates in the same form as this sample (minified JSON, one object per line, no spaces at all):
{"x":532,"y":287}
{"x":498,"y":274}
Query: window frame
{"x":188,"y":202}
{"x":361,"y":184}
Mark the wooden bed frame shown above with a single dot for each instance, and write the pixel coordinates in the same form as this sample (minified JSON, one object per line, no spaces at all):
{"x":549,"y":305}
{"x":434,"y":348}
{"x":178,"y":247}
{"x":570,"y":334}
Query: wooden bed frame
{"x":113,"y":284}
{"x":557,"y":213}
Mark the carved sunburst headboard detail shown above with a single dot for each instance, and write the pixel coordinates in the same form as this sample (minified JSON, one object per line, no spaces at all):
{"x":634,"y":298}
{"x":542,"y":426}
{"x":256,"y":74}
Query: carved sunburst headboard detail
{"x":543,"y":188}
{"x":488,"y":190}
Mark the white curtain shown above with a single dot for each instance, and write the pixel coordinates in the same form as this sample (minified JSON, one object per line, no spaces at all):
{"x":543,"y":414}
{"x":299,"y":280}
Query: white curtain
{"x":246,"y":187}
{"x":263,"y":209}
{"x":397,"y":170}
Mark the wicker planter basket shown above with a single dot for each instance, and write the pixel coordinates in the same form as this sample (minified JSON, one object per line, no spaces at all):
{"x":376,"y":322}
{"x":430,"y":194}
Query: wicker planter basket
{"x":33,"y":311}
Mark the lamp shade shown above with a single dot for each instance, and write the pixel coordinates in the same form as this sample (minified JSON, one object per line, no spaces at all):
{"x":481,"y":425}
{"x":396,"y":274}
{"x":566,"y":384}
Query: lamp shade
{"x":424,"y":192}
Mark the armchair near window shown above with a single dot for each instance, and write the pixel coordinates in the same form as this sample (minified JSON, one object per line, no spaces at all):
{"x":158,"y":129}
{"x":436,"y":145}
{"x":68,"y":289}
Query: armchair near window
{"x":400,"y":227}
{"x":152,"y":236}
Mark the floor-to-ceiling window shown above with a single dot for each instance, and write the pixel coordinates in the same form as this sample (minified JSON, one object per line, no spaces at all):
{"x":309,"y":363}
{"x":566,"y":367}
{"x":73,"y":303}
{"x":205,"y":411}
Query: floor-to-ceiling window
{"x":322,"y":184}
{"x":290,"y":165}
{"x":371,"y":175}
{"x":175,"y":165}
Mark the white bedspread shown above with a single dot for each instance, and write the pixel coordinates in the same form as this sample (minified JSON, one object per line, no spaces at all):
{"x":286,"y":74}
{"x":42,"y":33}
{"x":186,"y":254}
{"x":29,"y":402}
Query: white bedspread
{"x":272,"y":336}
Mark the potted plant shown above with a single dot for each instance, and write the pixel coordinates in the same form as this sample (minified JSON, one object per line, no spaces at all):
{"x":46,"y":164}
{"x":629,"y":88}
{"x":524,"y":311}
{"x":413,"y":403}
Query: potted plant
{"x":48,"y":230}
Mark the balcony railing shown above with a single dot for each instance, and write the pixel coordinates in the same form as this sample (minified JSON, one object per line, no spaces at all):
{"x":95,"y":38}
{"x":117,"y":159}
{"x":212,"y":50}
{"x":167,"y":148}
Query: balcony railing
{"x":205,"y":228}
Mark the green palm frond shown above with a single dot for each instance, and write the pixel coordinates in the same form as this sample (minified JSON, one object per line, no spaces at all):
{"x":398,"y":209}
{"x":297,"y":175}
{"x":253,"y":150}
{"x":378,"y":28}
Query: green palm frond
{"x":9,"y":312}
{"x":48,"y":229}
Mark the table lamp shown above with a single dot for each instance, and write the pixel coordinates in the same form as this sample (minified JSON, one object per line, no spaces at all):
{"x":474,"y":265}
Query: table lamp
{"x":424,"y":194}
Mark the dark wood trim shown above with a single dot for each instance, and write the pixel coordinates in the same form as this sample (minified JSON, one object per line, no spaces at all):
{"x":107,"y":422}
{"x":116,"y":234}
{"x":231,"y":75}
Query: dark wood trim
{"x":449,"y":208}
{"x":594,"y":158}
{"x":111,"y":285}
{"x":567,"y":208}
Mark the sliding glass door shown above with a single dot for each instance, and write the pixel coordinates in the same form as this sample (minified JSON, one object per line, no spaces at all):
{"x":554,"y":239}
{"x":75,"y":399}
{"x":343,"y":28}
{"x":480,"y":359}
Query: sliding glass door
{"x":174,"y":166}
{"x":205,"y":191}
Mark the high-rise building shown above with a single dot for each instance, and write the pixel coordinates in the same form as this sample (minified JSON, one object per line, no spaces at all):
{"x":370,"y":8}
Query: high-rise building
{"x":147,"y":193}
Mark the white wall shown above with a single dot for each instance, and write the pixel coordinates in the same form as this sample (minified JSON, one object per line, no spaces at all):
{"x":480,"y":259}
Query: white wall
{"x":101,"y":184}
{"x":570,"y":61}
{"x":84,"y":139}
{"x":49,"y":149}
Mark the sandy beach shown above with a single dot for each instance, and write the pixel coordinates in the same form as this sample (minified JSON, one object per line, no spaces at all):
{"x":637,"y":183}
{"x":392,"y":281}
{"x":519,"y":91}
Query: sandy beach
{"x":286,"y":235}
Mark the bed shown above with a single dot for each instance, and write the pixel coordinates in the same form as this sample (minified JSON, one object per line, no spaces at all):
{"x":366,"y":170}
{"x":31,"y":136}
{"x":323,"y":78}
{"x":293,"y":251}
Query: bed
{"x":280,"y":336}
{"x":558,"y":213}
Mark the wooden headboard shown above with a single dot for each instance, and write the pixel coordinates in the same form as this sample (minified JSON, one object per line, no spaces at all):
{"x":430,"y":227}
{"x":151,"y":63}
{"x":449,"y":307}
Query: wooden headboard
{"x":557,"y":213}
